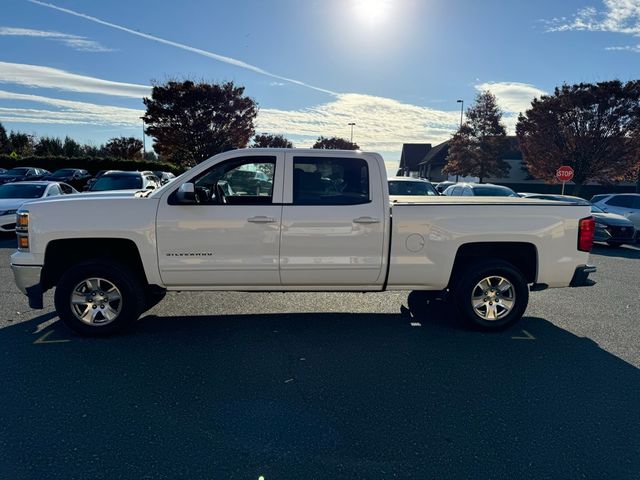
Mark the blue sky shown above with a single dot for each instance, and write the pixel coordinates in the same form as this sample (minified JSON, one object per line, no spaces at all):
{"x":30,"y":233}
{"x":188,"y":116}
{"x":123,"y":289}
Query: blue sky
{"x":395,"y":67}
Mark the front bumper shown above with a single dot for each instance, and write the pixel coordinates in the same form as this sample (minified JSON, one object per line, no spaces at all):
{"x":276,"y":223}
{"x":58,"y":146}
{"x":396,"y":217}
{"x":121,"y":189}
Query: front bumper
{"x":581,"y":276}
{"x":27,"y":279}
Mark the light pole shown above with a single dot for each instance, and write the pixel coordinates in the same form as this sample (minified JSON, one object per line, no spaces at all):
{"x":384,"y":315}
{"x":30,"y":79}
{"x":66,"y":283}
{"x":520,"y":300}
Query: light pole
{"x":351,"y":124}
{"x":144,"y":146}
{"x":461,"y":102}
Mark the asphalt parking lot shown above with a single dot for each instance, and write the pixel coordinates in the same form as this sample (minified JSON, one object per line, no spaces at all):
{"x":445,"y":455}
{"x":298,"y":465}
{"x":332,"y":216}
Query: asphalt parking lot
{"x":292,"y":386}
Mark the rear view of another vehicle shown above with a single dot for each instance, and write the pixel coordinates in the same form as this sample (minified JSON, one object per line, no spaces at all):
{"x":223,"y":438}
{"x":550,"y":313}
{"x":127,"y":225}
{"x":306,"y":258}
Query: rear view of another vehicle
{"x":116,"y":180}
{"x":405,"y":186}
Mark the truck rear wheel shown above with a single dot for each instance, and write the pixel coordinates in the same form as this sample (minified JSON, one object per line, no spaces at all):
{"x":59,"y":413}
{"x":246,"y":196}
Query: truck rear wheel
{"x":491,"y":294}
{"x":99,"y":297}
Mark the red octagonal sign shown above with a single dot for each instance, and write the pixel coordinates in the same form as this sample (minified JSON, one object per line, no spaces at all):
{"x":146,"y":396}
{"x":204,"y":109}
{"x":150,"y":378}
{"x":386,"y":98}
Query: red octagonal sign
{"x":564,"y":173}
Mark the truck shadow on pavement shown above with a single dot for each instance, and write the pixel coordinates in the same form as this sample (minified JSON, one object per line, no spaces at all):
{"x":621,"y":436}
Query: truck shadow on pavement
{"x":328,"y":395}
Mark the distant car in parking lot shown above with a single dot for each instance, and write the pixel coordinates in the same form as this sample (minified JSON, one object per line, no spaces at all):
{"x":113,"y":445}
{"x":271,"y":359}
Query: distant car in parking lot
{"x":14,"y":195}
{"x":625,"y":204}
{"x":19,"y":174}
{"x":479,"y":190}
{"x":2,"y":170}
{"x":76,"y":177}
{"x":403,"y":186}
{"x":119,"y":180}
{"x":442,"y":186}
{"x":611,"y":228}
{"x":164,"y":177}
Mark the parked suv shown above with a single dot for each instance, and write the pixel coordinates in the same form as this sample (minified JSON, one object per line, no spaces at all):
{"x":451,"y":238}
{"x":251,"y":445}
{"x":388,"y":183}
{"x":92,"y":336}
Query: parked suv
{"x":626,"y":204}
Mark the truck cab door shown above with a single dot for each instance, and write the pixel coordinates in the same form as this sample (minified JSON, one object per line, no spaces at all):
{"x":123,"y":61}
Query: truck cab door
{"x":230,"y":235}
{"x":333,"y":221}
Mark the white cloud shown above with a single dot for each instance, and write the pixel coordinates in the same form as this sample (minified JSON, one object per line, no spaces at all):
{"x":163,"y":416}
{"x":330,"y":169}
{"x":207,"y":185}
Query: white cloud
{"x":182,"y":46}
{"x":618,"y":16}
{"x":382,"y":124}
{"x":46,"y":77}
{"x":76,"y":42}
{"x":626,"y":48}
{"x":68,"y":112}
{"x":513,"y":97}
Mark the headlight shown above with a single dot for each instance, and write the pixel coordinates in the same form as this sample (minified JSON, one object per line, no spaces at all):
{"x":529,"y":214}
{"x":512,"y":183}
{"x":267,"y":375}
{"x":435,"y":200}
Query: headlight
{"x":7,"y":212}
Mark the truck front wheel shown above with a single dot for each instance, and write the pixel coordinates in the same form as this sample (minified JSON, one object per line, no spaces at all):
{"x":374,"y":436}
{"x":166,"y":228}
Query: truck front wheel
{"x":491,"y":294}
{"x":99,"y":297}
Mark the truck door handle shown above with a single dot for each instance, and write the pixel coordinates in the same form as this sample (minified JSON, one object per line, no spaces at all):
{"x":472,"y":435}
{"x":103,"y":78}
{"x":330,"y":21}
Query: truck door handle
{"x":366,"y":220}
{"x":261,"y":219}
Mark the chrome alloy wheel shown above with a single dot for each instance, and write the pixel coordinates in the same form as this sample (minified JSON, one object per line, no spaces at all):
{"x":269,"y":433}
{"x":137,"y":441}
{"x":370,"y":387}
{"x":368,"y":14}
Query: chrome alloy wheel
{"x":493,"y":298}
{"x":96,"y":301}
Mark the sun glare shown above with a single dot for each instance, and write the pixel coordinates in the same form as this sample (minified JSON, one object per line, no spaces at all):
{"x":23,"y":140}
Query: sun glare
{"x":372,"y":12}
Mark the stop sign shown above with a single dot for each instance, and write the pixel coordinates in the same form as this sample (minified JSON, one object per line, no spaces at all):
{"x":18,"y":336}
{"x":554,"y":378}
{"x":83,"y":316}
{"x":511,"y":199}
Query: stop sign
{"x":564,"y":173}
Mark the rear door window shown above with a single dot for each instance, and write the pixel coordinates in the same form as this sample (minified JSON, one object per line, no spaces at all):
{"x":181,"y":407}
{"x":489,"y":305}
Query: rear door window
{"x":330,"y":181}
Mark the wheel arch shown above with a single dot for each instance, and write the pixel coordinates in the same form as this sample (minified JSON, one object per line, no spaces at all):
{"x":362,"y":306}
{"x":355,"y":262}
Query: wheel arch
{"x":60,"y":254}
{"x":522,"y":255}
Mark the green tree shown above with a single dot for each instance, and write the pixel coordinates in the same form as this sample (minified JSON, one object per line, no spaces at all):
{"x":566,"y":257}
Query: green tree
{"x":5,"y":145}
{"x":335,"y":143}
{"x":190,"y":121}
{"x":21,"y":144}
{"x":49,"y":147}
{"x":590,"y":127}
{"x":266,"y":140}
{"x":71,"y":148}
{"x":476,"y":148}
{"x":124,"y":147}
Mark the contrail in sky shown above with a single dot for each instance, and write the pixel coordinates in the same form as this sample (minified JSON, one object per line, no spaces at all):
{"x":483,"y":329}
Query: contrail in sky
{"x":205,"y":53}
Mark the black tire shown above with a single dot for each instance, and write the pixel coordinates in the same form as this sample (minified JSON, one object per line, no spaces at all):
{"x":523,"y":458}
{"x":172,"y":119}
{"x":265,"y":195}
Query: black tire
{"x":467,"y":285}
{"x":615,"y":244}
{"x":129,"y":285}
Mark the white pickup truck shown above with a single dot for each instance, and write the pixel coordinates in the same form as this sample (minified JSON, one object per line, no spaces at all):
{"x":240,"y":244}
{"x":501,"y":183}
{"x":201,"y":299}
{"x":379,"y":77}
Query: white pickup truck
{"x":294,"y":220}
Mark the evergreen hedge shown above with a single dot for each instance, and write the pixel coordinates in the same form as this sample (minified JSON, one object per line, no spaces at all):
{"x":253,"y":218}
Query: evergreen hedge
{"x":92,"y":164}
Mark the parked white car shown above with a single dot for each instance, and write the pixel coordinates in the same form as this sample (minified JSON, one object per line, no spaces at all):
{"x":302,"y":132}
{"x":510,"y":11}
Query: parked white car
{"x":14,"y":195}
{"x":625,"y":204}
{"x":326,"y":224}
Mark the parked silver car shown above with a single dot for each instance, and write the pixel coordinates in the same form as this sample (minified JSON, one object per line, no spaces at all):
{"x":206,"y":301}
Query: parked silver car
{"x":611,"y":228}
{"x":625,"y":204}
{"x":479,"y":190}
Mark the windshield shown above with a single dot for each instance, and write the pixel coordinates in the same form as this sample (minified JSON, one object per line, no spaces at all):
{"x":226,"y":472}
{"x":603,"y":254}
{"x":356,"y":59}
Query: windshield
{"x":595,"y":209}
{"x":117,"y":182}
{"x":17,"y":171}
{"x":486,"y":191}
{"x":411,"y":188}
{"x":17,"y":190}
{"x":65,"y":172}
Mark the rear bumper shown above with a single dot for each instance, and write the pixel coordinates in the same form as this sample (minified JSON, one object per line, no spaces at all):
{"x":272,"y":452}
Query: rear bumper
{"x":581,"y":276}
{"x":27,"y":279}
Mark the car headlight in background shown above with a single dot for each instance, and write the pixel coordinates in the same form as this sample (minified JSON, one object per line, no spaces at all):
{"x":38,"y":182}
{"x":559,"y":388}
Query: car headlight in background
{"x":7,"y":212}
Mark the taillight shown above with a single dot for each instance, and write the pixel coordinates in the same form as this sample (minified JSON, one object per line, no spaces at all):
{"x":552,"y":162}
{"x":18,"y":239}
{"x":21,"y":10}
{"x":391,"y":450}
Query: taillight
{"x":586,"y":229}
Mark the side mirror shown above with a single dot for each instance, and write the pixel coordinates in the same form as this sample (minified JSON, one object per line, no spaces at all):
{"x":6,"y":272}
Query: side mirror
{"x":186,"y":193}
